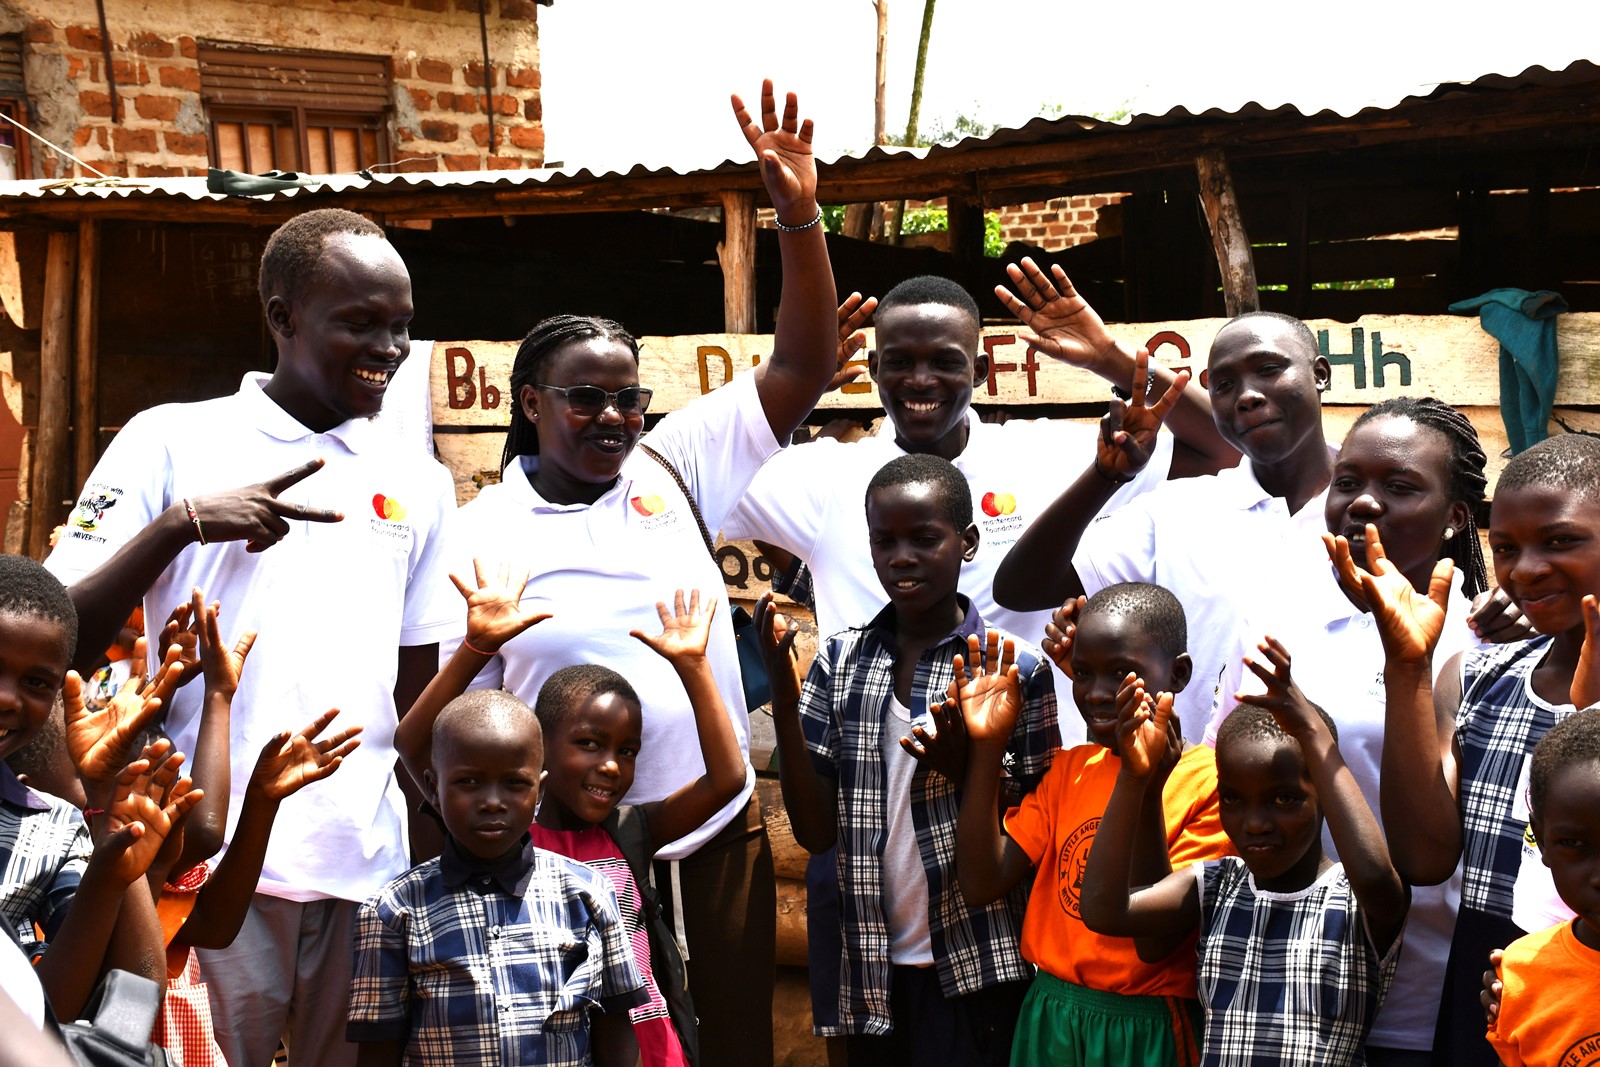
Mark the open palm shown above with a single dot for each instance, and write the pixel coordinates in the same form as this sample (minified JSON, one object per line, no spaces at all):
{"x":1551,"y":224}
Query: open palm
{"x":289,"y":762}
{"x":685,"y":628}
{"x":495,"y":613}
{"x":783,"y":149}
{"x":1409,"y":622}
{"x":1062,"y":324}
{"x":985,"y":685}
{"x":1143,"y":728}
{"x":99,"y":741}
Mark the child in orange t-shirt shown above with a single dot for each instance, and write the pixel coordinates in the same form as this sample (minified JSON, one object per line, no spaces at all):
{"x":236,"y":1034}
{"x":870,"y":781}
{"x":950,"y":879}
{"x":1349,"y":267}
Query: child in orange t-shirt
{"x":1548,"y":1011}
{"x":1093,"y":1000}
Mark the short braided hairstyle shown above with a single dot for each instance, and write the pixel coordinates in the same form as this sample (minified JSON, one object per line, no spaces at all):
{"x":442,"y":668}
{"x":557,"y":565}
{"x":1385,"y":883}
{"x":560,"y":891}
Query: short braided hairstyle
{"x":533,"y":355}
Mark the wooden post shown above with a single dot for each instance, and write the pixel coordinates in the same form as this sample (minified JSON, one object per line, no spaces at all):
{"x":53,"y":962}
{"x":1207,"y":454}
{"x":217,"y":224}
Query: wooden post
{"x":85,"y":405}
{"x":1228,"y":238}
{"x":49,"y":475}
{"x":737,"y":254}
{"x":966,"y":235}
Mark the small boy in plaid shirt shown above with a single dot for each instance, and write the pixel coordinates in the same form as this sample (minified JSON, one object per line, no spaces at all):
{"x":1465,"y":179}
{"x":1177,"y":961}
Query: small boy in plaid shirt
{"x":1295,"y":951}
{"x":496,"y":952}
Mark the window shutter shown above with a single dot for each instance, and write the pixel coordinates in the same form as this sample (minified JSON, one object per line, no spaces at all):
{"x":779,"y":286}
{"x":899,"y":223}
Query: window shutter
{"x":256,"y":77}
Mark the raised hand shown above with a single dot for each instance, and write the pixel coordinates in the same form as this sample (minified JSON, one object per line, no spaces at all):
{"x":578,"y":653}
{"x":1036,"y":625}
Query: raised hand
{"x":254,"y":514}
{"x":853,"y":316}
{"x":1146,"y":735}
{"x":291,"y":761}
{"x":1586,"y":679}
{"x":1293,"y":710}
{"x":1129,"y":429}
{"x":944,"y":750}
{"x":1409,"y":623}
{"x":183,"y":629}
{"x":776,"y":634}
{"x":1497,"y":619}
{"x":1060,"y":323}
{"x":788,"y":167}
{"x":494,"y":609}
{"x":149,"y":800}
{"x":684,"y":629}
{"x":1060,"y":631}
{"x":985,"y":686}
{"x":99,"y":742}
{"x":222,"y":666}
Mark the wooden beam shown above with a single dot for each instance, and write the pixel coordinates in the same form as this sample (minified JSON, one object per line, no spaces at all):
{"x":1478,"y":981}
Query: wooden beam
{"x":966,"y":233}
{"x":1228,"y":238}
{"x":737,"y":254}
{"x":85,"y":404}
{"x":50,"y":469}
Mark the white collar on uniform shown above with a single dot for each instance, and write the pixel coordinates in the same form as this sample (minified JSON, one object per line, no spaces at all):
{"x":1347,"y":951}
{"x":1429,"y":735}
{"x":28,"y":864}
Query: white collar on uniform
{"x":517,"y":481}
{"x":1241,"y":488}
{"x":272,"y":420}
{"x":888,"y":433}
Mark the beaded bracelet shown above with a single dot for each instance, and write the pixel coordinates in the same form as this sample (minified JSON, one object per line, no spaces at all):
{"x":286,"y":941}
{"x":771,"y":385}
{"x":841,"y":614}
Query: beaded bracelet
{"x":194,"y":517}
{"x":797,"y":229}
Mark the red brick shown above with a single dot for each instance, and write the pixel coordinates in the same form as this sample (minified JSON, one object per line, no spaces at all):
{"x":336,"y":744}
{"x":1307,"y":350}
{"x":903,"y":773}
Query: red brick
{"x":1082,"y":227}
{"x":74,"y":68}
{"x":506,"y":105}
{"x":151,"y":46}
{"x":1099,"y":201}
{"x":1056,"y":229}
{"x":421,"y":99}
{"x":436,"y":70}
{"x":187,"y":48}
{"x":502,"y":163}
{"x":126,"y":140}
{"x":102,"y":137}
{"x":158,"y":170}
{"x":399,"y":68}
{"x":39,"y":32}
{"x":81,"y":135}
{"x":128,"y":73}
{"x":439,"y":130}
{"x":474,"y":72}
{"x":519,"y":9}
{"x":164,"y":108}
{"x":430,"y":5}
{"x":528,"y":136}
{"x":480,"y":134}
{"x":533,"y":109}
{"x":181,"y":78}
{"x":417,"y":164}
{"x":96,"y":104}
{"x":185,"y":144}
{"x":462,"y":162}
{"x":523,"y":77}
{"x":84,"y":38}
{"x":462,"y":103}
{"x":404,"y":135}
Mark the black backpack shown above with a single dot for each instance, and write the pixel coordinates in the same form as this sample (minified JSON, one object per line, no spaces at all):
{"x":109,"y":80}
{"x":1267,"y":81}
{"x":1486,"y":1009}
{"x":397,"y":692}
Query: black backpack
{"x":630,"y":829}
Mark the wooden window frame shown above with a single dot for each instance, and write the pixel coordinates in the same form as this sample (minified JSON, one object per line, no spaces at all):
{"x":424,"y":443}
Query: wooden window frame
{"x":14,"y":101}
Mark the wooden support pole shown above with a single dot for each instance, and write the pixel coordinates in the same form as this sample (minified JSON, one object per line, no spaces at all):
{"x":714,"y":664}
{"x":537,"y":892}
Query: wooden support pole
{"x":85,"y":404}
{"x":1228,"y":238}
{"x":737,"y":254}
{"x":966,"y":235}
{"x":50,"y":463}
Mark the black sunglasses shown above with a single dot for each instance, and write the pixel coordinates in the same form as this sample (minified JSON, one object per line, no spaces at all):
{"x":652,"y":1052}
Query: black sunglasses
{"x":592,"y":400}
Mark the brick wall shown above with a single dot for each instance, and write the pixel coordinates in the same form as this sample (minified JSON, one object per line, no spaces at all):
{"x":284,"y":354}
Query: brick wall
{"x":439,"y":109}
{"x":1056,"y":224}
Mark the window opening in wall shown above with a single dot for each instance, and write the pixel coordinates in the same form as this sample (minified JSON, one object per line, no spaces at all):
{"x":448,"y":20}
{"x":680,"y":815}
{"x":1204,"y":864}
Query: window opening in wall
{"x":15,"y":161}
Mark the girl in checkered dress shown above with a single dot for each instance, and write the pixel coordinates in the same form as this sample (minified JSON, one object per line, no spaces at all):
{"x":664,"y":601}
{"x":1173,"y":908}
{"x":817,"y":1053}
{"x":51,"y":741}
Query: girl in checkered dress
{"x":1295,"y":952}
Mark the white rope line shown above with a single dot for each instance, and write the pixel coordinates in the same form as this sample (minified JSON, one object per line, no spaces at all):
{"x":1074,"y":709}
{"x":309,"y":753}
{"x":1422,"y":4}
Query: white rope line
{"x":53,"y":147}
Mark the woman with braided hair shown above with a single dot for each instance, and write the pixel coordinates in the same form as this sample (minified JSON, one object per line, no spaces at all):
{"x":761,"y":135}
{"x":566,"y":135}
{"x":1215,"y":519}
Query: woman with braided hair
{"x":1414,"y":468}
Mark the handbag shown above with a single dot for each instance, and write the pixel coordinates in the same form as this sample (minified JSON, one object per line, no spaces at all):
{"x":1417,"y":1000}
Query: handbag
{"x":752,"y":665}
{"x":115,"y":1028}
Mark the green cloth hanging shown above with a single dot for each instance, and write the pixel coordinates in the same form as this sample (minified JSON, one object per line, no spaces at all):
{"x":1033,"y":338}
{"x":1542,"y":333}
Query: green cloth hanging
{"x":1525,"y":325}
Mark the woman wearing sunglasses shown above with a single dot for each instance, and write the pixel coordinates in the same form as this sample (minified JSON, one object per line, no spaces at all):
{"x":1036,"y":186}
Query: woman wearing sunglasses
{"x":607,"y":532}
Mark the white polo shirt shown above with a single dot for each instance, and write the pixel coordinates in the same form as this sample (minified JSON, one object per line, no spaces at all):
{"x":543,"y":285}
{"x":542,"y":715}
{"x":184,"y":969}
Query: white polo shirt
{"x":600,"y":568}
{"x":1338,"y":663}
{"x":811,"y":500}
{"x":333,"y":603}
{"x":1224,"y":546}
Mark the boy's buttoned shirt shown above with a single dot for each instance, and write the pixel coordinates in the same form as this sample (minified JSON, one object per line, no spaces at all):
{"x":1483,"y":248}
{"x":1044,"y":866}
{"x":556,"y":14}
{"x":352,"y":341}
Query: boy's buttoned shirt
{"x":471,"y":964}
{"x":843,"y":707}
{"x":44,"y":848}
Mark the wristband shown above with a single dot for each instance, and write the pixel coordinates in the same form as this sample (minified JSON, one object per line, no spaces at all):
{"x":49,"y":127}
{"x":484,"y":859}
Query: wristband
{"x":474,"y":648}
{"x":796,"y":229}
{"x":89,"y":813}
{"x":1114,"y":479}
{"x":194,"y":517}
{"x":1122,"y":394}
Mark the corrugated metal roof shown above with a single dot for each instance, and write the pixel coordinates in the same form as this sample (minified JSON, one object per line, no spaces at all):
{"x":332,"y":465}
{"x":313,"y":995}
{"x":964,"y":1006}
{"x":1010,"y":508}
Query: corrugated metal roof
{"x":1039,"y":131}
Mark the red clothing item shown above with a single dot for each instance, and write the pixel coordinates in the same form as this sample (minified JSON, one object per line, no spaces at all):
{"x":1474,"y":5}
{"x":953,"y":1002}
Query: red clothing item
{"x":1055,"y":825}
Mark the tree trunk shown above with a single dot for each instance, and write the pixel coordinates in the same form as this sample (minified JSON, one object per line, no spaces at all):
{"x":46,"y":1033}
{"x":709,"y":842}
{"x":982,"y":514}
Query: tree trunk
{"x":916,"y":106}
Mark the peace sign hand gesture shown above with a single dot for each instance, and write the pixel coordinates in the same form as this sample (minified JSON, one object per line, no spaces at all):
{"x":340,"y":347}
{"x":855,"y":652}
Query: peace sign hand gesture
{"x":254,"y":514}
{"x":788,"y":167}
{"x":1129,"y":429}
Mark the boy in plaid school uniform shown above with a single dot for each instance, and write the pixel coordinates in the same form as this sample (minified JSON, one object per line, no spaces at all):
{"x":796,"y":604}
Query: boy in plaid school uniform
{"x":495,"y":952}
{"x":1295,"y":953}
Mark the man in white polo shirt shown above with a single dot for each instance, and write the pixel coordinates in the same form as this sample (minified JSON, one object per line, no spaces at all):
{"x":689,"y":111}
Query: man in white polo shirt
{"x":323,"y":532}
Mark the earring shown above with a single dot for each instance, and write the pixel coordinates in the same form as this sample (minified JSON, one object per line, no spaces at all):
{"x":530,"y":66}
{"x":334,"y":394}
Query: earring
{"x":1449,"y":532}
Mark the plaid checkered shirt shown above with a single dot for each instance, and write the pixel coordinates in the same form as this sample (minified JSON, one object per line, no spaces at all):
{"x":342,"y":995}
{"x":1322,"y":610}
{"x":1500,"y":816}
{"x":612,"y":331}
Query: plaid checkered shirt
{"x":1288,"y":979}
{"x":44,"y":848}
{"x":1499,"y":723}
{"x":843,"y":706}
{"x":474,"y":965}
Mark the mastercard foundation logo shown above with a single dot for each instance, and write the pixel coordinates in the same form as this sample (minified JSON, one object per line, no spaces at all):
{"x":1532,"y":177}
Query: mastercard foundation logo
{"x":996,"y":504}
{"x":387,"y":507}
{"x":647,"y":505}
